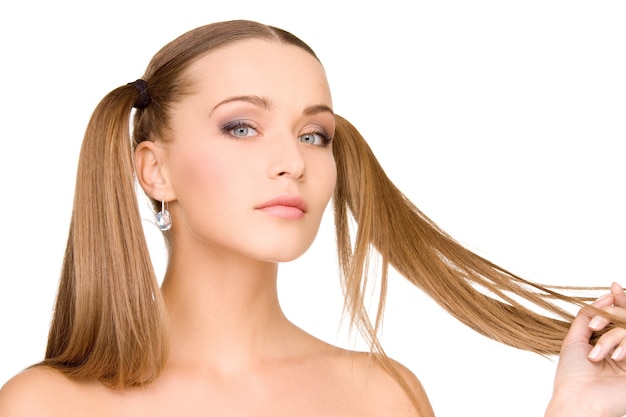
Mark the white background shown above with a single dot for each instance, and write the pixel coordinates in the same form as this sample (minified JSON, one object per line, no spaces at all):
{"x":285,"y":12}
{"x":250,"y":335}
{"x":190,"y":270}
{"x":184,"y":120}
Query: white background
{"x":503,"y":121}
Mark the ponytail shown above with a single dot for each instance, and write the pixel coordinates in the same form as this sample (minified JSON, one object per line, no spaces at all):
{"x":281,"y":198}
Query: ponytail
{"x":109,"y":319}
{"x":484,"y":296}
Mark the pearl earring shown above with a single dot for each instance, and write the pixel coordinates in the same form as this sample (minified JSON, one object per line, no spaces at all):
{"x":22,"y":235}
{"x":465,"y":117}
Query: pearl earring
{"x":163,"y":218}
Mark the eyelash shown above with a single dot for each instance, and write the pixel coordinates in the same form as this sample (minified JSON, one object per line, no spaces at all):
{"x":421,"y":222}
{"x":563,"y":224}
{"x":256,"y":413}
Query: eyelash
{"x":326,"y":138}
{"x":236,"y":124}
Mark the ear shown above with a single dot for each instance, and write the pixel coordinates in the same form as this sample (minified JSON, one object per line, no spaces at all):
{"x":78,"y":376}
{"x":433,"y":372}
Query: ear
{"x":152,"y":172}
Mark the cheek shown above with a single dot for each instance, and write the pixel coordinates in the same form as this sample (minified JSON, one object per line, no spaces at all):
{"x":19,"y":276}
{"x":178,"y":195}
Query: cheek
{"x":197,"y":173}
{"x":208,"y":192}
{"x":333,"y":177}
{"x":194,"y":170}
{"x":327,"y":178}
{"x":200,"y":181}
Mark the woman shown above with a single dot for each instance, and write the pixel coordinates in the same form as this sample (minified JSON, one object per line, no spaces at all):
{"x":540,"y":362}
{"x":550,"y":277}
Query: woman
{"x":240,"y":169}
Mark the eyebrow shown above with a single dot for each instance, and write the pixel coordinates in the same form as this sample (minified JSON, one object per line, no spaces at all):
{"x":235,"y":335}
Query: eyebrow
{"x":316,"y":109}
{"x":266,"y":104}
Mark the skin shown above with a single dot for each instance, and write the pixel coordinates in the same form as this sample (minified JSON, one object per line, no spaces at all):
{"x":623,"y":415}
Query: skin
{"x":233,"y":351}
{"x":590,"y":380}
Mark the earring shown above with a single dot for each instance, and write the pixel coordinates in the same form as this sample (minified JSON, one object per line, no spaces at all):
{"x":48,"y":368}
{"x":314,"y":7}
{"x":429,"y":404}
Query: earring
{"x":163,"y":218}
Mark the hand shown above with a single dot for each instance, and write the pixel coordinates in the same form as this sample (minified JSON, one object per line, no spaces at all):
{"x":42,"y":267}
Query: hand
{"x":591,"y":381}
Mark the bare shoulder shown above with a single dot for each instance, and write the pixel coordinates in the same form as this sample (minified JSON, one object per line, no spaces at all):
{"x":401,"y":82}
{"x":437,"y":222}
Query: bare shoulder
{"x":35,"y":391}
{"x":387,"y":390}
{"x":415,"y":386}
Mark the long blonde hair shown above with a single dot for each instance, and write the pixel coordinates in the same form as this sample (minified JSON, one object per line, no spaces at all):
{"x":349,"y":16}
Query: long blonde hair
{"x":110,"y":322}
{"x":109,"y":319}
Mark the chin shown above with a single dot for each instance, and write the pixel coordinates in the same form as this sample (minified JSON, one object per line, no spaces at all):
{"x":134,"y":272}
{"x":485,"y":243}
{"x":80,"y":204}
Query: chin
{"x":283,"y":257}
{"x":282,"y":253}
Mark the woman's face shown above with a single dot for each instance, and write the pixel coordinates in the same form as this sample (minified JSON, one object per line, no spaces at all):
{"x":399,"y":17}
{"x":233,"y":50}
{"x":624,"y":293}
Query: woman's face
{"x":250,"y":162}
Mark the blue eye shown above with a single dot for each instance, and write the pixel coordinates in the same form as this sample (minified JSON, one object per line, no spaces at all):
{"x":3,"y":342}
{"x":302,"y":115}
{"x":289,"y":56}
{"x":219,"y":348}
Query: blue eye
{"x":315,"y":138}
{"x":240,"y":129}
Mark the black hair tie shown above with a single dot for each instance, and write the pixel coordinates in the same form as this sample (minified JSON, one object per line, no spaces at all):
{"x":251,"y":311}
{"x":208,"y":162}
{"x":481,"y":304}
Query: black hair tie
{"x":144,"y":97}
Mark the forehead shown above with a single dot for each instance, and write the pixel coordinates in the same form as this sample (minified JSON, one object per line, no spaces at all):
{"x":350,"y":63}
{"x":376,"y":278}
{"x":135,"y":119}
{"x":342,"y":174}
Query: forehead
{"x":261,"y":67}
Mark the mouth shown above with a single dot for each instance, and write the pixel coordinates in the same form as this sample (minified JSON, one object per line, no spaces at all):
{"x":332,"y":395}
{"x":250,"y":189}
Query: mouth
{"x":284,"y":206}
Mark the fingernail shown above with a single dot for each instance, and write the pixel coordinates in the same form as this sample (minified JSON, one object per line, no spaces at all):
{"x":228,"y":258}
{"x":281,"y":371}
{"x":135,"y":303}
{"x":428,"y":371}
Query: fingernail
{"x":595,"y":322}
{"x":595,"y":351}
{"x":617,"y":353}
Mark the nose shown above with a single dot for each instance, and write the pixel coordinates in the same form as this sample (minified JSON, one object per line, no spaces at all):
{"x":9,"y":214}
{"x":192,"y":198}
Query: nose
{"x":287,"y":159}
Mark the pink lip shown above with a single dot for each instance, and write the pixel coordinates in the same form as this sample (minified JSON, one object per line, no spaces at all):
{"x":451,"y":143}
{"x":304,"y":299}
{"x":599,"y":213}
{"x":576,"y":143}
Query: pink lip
{"x":285,"y":206}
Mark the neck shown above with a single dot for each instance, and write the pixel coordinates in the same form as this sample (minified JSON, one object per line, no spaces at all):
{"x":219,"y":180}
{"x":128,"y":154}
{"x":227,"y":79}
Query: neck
{"x":223,"y":307}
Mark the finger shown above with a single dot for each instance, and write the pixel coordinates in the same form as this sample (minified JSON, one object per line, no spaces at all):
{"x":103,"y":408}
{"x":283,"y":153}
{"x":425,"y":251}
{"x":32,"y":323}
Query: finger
{"x":618,"y":295}
{"x":619,"y":354}
{"x":605,"y":301}
{"x":611,"y":343}
{"x":599,"y":322}
{"x":580,"y":330}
